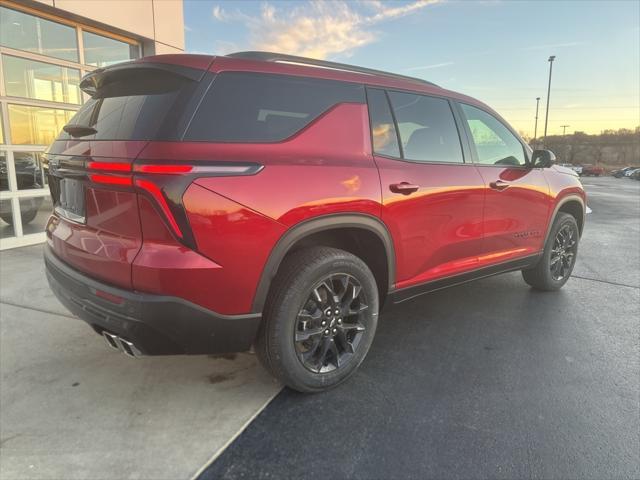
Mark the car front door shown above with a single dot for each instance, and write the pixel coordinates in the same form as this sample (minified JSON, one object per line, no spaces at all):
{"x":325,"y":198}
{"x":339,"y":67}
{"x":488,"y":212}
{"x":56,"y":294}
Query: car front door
{"x":432,"y":195}
{"x":517,"y":199}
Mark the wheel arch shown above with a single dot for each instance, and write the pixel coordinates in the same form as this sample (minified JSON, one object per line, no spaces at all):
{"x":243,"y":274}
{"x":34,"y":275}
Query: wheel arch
{"x":295,"y":237}
{"x":572,"y":204}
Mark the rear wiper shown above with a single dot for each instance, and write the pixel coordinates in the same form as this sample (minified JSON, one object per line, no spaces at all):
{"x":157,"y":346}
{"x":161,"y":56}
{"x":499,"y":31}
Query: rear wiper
{"x":79,"y":130}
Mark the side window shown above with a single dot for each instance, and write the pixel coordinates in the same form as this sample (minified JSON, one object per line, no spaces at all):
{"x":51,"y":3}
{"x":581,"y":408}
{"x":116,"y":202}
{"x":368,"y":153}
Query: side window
{"x":257,"y":107}
{"x":494,"y":142}
{"x":383,"y":130}
{"x":427,"y":128}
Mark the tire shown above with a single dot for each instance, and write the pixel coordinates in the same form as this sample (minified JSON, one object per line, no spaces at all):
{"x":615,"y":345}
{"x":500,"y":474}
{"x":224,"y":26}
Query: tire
{"x":27,"y":217}
{"x":300,"y":301}
{"x":558,"y":259}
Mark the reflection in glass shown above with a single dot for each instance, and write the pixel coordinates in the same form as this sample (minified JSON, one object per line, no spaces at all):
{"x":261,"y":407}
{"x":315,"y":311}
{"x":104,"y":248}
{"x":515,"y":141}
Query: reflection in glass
{"x":29,"y":171}
{"x":4,"y":174}
{"x":6,"y":224}
{"x":36,"y":125}
{"x":42,"y":81}
{"x":34,"y":34}
{"x":35,"y":212}
{"x":102,"y":51}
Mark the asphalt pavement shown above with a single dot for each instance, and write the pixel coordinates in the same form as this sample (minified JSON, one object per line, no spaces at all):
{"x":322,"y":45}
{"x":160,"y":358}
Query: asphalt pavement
{"x":487,"y":380}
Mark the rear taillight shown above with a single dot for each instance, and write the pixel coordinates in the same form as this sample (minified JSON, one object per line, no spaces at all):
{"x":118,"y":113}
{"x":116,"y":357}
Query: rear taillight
{"x":165,"y":184}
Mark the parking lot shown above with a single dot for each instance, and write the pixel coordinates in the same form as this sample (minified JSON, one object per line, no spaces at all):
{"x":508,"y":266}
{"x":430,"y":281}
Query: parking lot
{"x":486,"y":380}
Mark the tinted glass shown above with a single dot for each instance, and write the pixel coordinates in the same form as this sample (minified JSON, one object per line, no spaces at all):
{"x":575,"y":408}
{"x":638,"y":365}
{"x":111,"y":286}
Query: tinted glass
{"x":102,"y":51}
{"x":29,"y":171}
{"x":36,"y":125}
{"x":34,"y":34}
{"x":4,"y":173}
{"x":250,"y":107}
{"x":427,"y":128}
{"x":34,"y":213}
{"x":494,"y":142}
{"x":42,"y":81}
{"x":134,"y":107}
{"x":383,"y":130}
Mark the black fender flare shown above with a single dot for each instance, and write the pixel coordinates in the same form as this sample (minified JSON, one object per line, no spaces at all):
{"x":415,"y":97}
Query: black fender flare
{"x":572,"y":197}
{"x":315,"y":225}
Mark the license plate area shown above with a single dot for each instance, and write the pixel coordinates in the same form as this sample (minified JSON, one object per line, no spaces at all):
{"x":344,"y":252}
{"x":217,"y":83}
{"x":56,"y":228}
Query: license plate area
{"x":71,"y":200}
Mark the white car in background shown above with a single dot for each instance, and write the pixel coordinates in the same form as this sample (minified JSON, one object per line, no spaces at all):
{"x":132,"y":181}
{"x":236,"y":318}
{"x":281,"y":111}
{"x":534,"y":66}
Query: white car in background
{"x":575,"y":168}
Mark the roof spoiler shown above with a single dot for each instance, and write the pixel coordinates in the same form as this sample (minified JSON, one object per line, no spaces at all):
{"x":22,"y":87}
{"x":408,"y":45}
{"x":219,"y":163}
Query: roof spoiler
{"x":100,"y":77}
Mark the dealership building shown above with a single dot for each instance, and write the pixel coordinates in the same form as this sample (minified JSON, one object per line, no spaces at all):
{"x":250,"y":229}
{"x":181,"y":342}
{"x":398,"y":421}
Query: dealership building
{"x":46,"y":46}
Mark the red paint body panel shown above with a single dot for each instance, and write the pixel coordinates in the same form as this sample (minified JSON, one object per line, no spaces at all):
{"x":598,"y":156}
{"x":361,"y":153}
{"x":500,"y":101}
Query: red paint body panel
{"x":106,"y":245}
{"x":237,"y":238}
{"x":437,"y":229}
{"x":515,"y":218}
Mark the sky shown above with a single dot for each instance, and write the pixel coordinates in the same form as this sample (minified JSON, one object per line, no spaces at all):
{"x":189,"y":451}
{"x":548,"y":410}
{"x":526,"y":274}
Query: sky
{"x":492,"y":50}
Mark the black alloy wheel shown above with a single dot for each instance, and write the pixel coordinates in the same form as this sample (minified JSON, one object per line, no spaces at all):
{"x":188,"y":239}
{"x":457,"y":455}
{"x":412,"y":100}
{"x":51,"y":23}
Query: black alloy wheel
{"x":331,"y":323}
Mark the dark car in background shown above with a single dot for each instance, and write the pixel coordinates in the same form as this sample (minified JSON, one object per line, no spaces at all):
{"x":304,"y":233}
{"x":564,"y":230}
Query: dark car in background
{"x":28,"y":176}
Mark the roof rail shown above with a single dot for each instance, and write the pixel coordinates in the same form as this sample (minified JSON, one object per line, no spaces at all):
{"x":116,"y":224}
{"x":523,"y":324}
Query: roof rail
{"x":293,"y":59}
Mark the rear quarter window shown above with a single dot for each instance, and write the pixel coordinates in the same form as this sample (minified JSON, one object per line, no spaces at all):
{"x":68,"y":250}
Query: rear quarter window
{"x":263,"y":108}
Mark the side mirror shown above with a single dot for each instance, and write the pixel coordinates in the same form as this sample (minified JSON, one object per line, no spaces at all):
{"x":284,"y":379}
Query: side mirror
{"x":543,"y":158}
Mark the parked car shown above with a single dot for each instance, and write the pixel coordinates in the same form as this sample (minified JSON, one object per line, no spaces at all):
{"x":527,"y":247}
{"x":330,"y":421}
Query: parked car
{"x":28,"y":176}
{"x":208,"y":204}
{"x":618,"y":173}
{"x":636,"y":174}
{"x":629,"y":173}
{"x":592,"y":171}
{"x":576,"y":168}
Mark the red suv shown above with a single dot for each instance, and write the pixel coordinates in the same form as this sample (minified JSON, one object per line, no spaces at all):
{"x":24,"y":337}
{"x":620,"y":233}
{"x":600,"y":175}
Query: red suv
{"x":211,"y":204}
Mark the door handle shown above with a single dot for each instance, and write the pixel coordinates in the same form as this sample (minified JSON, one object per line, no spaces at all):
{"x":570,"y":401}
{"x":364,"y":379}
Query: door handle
{"x":403,"y":188}
{"x":499,"y":185}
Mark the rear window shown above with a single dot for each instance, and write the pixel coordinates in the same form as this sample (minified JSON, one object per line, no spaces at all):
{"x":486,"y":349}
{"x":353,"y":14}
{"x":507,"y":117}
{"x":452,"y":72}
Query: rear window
{"x":136,"y":107}
{"x":251,"y":107}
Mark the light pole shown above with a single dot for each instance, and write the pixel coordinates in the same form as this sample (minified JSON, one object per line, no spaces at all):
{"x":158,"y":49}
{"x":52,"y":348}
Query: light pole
{"x":564,"y":129}
{"x":535,"y":129}
{"x":546,"y":115}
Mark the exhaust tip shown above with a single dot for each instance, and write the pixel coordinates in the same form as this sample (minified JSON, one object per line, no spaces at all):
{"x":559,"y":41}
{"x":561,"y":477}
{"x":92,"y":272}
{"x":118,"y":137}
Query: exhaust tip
{"x":111,"y":340}
{"x":129,"y":348}
{"x":125,"y":346}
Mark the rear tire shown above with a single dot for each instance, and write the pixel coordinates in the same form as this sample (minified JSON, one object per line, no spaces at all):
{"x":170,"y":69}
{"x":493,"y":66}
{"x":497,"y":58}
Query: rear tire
{"x":559,"y":257}
{"x":319,"y":320}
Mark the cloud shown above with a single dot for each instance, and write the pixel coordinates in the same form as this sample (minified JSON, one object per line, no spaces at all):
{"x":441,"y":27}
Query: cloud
{"x":429,"y":67}
{"x":317,"y":29}
{"x":554,"y":45}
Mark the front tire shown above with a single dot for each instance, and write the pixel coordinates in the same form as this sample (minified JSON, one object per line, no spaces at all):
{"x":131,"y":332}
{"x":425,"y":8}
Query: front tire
{"x":319,"y":320}
{"x":559,"y":257}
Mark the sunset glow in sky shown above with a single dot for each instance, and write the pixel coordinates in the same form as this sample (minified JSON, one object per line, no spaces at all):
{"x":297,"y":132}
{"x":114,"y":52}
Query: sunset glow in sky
{"x":493,"y":50}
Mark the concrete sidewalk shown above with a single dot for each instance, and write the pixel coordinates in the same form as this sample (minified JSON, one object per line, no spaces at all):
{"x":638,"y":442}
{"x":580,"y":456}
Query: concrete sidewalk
{"x":72,"y":408}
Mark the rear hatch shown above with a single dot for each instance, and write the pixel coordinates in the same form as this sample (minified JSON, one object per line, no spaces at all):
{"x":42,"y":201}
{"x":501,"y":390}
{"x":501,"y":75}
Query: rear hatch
{"x":96,"y":224}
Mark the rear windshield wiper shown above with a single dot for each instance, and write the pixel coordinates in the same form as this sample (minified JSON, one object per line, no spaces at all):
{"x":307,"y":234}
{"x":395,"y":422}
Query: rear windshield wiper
{"x":79,"y":130}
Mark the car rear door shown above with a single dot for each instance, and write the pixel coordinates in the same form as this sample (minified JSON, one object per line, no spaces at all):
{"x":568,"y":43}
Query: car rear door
{"x":517,"y":199}
{"x":432,"y":195}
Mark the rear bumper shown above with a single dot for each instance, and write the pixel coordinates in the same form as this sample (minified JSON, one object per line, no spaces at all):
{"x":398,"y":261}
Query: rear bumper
{"x":155,"y":324}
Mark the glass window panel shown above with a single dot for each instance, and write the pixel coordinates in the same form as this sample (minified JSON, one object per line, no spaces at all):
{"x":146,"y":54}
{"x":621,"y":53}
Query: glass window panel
{"x":427,"y":128}
{"x":383,"y":130}
{"x":36,"y":125}
{"x":1,"y":131}
{"x":101,"y":51}
{"x":494,"y":143}
{"x":6,"y":224}
{"x":42,"y":81}
{"x":34,"y":34}
{"x":4,"y":173}
{"x":29,"y":171}
{"x":35,"y":213}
